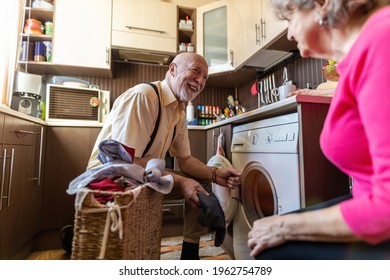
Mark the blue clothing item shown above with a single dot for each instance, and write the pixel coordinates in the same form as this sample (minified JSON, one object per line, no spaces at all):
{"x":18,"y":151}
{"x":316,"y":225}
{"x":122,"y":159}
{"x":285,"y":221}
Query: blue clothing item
{"x":116,"y":162}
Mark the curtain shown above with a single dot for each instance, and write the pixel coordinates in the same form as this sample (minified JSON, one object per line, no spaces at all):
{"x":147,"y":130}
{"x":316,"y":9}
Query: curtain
{"x":10,"y":16}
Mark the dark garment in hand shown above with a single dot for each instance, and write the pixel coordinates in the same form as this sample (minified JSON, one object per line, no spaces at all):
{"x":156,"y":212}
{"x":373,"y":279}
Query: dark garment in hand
{"x":212,"y":216}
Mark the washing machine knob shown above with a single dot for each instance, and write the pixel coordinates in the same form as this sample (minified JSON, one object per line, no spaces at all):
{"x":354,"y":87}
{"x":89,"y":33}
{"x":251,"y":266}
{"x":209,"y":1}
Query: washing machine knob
{"x":255,"y":139}
{"x":268,"y":138}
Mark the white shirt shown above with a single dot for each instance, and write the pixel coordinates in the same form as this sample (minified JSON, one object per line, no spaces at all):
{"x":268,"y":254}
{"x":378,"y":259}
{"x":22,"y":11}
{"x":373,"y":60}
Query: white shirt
{"x":133,"y":117}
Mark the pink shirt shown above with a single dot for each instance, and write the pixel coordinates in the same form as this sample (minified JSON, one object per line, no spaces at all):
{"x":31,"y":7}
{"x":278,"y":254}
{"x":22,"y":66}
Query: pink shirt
{"x":356,"y":134}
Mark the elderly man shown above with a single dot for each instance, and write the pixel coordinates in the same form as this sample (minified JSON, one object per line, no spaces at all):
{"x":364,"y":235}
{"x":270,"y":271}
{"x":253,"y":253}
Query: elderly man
{"x":133,"y":119}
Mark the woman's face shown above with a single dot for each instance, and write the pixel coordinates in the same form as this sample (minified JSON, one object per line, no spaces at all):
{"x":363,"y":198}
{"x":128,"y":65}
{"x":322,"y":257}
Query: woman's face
{"x":304,"y":28}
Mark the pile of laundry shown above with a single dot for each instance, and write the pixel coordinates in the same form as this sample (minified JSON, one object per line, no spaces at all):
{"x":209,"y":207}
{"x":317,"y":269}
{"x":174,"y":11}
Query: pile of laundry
{"x":118,"y":173}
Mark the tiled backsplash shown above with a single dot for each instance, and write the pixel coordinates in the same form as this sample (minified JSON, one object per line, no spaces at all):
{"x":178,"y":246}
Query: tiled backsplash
{"x":301,"y":71}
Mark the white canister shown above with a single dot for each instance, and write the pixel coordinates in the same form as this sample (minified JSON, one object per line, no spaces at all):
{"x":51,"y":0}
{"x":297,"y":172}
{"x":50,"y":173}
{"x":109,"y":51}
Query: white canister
{"x":190,"y":112}
{"x":284,"y":90}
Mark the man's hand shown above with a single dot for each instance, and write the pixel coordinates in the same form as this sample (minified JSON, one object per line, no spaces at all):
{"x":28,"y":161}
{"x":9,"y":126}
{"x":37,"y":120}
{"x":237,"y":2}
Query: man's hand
{"x":228,"y":177}
{"x":189,"y":189}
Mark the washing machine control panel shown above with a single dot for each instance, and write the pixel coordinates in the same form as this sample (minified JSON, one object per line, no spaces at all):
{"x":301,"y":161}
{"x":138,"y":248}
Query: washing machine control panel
{"x":281,"y":138}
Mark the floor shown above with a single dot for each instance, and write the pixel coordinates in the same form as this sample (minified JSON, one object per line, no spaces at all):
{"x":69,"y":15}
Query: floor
{"x":170,"y":250}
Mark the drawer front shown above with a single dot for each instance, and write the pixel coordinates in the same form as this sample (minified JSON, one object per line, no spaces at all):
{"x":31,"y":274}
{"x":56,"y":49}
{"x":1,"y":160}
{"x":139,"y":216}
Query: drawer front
{"x":174,"y":210}
{"x":18,"y":131}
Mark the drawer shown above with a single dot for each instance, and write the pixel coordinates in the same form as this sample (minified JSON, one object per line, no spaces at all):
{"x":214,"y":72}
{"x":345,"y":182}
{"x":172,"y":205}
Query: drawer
{"x":18,"y":131}
{"x":173,"y":209}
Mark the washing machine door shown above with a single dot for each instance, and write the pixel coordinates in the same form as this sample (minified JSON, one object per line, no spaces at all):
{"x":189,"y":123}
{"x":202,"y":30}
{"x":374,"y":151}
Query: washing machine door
{"x":258,"y":193}
{"x":224,"y":195}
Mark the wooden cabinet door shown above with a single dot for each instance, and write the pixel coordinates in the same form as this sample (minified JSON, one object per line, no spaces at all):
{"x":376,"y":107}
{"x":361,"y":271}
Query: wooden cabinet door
{"x":144,"y":25}
{"x":212,"y":141}
{"x":198,"y":144}
{"x":15,"y":210}
{"x":246,"y":29}
{"x":67,"y":152}
{"x":272,"y":26}
{"x":82,"y":33}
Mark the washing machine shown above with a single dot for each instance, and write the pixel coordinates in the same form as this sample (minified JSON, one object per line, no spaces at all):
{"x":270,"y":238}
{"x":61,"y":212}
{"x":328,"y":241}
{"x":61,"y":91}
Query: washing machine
{"x":266,"y":152}
{"x":228,"y":203}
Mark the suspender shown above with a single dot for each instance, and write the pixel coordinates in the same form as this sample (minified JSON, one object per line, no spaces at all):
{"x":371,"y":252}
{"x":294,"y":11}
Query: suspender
{"x":157,"y":122}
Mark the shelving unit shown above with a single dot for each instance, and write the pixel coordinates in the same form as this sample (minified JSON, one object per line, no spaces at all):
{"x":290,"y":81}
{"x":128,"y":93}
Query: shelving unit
{"x":43,"y":15}
{"x":184,"y":35}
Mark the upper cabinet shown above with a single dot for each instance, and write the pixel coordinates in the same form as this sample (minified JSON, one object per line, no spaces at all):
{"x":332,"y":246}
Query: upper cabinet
{"x":272,"y":27}
{"x":214,"y":38}
{"x":255,"y":26}
{"x":75,"y":37}
{"x":82,"y":33}
{"x":36,"y":36}
{"x":230,"y":32}
{"x":144,"y":25}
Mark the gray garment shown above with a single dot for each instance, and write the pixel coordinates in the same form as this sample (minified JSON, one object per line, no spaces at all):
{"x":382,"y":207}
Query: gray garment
{"x":112,"y":155}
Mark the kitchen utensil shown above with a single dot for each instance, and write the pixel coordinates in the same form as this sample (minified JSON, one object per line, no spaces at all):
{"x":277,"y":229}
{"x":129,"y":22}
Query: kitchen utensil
{"x":285,"y":76}
{"x":254,"y":88}
{"x":274,"y":90}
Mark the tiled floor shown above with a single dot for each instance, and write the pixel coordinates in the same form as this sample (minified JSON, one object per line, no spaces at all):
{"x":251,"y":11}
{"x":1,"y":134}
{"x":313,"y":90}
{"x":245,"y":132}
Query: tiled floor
{"x":170,"y":250}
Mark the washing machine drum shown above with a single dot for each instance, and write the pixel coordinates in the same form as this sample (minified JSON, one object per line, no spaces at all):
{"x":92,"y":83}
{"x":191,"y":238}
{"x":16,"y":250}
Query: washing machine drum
{"x":224,"y":195}
{"x":258,"y":194}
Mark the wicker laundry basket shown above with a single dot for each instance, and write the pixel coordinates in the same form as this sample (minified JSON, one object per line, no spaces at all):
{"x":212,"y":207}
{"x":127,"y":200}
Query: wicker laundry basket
{"x":141,"y":217}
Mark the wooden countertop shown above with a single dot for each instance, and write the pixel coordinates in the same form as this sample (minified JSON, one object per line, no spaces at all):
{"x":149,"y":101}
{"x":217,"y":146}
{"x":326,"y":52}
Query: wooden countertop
{"x":286,"y":106}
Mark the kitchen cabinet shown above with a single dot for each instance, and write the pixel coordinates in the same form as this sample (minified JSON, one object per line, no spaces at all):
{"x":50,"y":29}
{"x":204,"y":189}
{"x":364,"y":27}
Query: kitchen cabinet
{"x":144,"y":25}
{"x":212,"y":141}
{"x":29,"y":36}
{"x":67,"y":152}
{"x":82,"y":33}
{"x":214,"y":38}
{"x":186,"y":33}
{"x":254,"y":26}
{"x":20,"y":199}
{"x":230,"y":32}
{"x":198,"y":144}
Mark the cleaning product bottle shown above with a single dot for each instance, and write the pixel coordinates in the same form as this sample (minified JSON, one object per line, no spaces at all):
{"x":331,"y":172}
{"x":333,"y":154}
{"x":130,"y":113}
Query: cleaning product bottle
{"x":190,"y":112}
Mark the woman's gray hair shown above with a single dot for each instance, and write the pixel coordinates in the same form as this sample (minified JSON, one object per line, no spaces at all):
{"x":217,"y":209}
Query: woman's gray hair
{"x":339,"y":11}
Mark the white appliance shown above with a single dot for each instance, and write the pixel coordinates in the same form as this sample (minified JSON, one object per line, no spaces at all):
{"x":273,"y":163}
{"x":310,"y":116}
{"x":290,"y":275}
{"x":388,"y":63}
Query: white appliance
{"x":226,"y":198}
{"x":65,"y":104}
{"x":26,"y":94}
{"x":266,"y":152}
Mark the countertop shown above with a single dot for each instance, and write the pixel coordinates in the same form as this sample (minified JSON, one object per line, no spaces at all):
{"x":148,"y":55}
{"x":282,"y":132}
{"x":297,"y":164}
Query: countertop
{"x":286,"y":106}
{"x":6,"y":110}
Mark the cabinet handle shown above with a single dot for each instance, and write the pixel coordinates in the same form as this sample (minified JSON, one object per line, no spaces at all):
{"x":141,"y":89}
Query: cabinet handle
{"x":10,"y":177}
{"x":3,"y":178}
{"x":257,"y":31}
{"x":231,"y":57}
{"x":21,"y":131}
{"x":263,"y":34}
{"x":145,"y":29}
{"x":40,"y":157}
{"x":107,"y":55}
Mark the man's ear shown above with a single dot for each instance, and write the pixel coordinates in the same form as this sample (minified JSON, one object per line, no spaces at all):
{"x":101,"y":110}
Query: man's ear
{"x":172,"y":69}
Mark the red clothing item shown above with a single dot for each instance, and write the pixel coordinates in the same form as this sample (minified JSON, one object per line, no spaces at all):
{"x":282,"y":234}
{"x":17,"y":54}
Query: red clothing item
{"x":107,"y":185}
{"x":356,"y":134}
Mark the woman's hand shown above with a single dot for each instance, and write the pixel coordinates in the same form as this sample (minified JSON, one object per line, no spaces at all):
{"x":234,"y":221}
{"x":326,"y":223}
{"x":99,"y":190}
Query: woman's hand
{"x":266,"y":233}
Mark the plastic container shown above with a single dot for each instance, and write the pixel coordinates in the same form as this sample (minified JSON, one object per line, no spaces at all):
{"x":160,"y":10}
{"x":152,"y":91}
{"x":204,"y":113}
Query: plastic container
{"x":182,"y":47}
{"x":190,"y":47}
{"x":27,"y":51}
{"x":49,"y":28}
{"x":48,"y":48}
{"x":39,"y":51}
{"x":190,"y":112}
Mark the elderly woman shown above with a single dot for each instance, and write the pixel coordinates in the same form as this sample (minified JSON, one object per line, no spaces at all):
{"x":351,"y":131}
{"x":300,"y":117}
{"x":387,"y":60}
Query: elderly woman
{"x":355,"y":137}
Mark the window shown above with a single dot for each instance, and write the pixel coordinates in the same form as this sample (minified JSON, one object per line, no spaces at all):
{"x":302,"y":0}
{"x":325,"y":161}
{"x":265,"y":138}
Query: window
{"x":10,"y":14}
